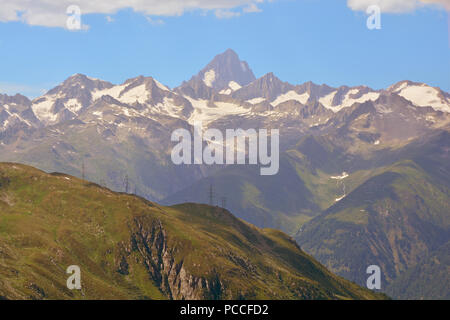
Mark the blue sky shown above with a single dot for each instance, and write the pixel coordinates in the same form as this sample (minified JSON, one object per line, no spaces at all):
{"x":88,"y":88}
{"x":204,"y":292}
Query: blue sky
{"x":324,"y":41}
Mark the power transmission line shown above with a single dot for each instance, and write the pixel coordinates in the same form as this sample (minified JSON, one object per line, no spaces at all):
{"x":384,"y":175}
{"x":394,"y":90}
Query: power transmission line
{"x":211,"y":195}
{"x":224,"y":202}
{"x":126,"y":183}
{"x":83,"y":170}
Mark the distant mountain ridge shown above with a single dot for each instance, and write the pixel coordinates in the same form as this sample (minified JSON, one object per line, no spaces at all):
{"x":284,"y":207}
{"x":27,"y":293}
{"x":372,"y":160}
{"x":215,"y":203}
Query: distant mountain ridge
{"x":225,"y":79}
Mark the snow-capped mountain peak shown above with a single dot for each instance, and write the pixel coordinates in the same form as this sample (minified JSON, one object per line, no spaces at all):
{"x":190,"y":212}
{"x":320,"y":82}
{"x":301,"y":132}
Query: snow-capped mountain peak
{"x":225,"y":87}
{"x":225,"y":73}
{"x":16,"y":113}
{"x":422,"y":95}
{"x":345,"y":97}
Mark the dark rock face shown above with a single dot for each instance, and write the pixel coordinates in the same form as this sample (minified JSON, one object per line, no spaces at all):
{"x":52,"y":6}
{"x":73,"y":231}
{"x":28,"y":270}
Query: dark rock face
{"x":228,"y":67}
{"x":217,"y":76}
{"x":149,"y":241}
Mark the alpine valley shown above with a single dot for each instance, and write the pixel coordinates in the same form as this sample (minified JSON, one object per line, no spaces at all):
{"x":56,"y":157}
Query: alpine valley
{"x":364,"y":179}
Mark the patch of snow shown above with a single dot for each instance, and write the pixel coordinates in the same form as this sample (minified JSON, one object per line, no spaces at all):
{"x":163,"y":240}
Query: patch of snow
{"x":5,"y":124}
{"x":370,"y":96}
{"x":209,"y":78}
{"x":226,"y":91}
{"x":23,"y":120}
{"x":256,"y":100}
{"x":424,"y":96}
{"x":168,"y":107}
{"x":113,"y":92}
{"x":327,"y":101}
{"x":352,"y":92}
{"x":99,"y":114}
{"x":73,"y":105}
{"x":431,"y":119}
{"x":341,"y":177}
{"x":93,"y":79}
{"x":383,"y":109}
{"x":234,"y":85}
{"x":400,"y":87}
{"x":139,"y":94}
{"x":202,"y":112}
{"x":161,"y":86}
{"x":291,"y":95}
{"x":42,"y":110}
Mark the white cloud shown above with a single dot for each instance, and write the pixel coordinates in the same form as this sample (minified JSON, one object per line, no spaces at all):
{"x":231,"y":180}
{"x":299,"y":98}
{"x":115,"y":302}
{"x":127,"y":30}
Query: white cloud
{"x":52,"y":13}
{"x":226,"y":14}
{"x":443,"y":3}
{"x":155,"y":22}
{"x":252,"y":7}
{"x":396,"y":6}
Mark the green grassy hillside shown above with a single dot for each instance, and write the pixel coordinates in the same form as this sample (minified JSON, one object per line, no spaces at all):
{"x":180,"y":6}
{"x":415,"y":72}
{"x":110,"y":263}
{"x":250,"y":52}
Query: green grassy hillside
{"x":390,"y":220}
{"x":130,"y":248}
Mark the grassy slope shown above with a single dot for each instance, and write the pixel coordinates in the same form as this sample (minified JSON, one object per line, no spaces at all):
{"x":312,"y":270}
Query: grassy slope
{"x":48,"y":222}
{"x":391,"y":220}
{"x":429,"y":279}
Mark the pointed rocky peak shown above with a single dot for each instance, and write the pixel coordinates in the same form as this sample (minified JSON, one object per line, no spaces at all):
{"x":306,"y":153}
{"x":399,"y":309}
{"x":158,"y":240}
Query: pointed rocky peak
{"x":16,"y":100}
{"x":226,"y":73}
{"x":314,"y":90}
{"x":269,"y":79}
{"x":68,"y":99}
{"x":77,"y":84}
{"x":401,"y":85}
{"x":141,"y":89}
{"x":16,"y":113}
{"x":149,"y":82}
{"x":226,"y":68}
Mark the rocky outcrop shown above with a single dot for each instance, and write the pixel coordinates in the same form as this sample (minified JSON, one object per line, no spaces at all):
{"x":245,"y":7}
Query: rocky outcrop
{"x":149,"y":240}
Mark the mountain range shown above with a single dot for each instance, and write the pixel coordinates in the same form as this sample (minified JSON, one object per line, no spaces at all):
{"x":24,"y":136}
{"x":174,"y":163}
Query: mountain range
{"x":363,"y":177}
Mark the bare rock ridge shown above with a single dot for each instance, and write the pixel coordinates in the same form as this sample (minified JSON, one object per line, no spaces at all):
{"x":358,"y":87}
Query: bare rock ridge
{"x":226,"y":68}
{"x":149,"y":240}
